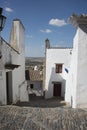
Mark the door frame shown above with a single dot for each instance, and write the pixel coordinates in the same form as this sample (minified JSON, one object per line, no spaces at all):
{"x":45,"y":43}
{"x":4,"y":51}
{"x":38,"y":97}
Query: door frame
{"x":9,"y":91}
{"x":56,"y":89}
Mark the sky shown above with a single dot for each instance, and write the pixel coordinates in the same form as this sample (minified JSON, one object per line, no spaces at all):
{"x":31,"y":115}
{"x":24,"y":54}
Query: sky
{"x":43,"y":19}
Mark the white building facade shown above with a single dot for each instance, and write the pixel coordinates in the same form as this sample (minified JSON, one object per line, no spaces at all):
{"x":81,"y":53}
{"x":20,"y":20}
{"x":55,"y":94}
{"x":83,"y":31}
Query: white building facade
{"x":57,"y":67}
{"x":76,"y":85}
{"x":74,"y":82}
{"x":12,"y":67}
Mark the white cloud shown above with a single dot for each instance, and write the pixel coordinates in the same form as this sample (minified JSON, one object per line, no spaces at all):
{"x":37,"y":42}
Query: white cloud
{"x":7,"y":9}
{"x":57,"y":22}
{"x":46,"y":31}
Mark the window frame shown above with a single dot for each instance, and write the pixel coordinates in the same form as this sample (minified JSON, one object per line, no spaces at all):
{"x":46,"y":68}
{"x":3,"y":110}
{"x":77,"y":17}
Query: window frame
{"x":58,"y":67}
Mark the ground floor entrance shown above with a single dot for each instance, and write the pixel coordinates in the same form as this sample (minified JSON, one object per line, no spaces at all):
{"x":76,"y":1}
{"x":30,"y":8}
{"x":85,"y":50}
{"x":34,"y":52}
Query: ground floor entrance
{"x":57,"y":89}
{"x":9,"y":87}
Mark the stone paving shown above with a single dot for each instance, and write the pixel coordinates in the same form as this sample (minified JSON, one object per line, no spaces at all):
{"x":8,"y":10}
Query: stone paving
{"x":42,"y":118}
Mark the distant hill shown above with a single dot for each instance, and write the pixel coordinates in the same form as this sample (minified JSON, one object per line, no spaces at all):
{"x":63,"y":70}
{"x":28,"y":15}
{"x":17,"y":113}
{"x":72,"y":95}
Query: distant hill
{"x":32,"y":61}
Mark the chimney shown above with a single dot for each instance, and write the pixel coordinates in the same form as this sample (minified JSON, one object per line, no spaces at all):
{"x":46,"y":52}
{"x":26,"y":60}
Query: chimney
{"x":47,"y":43}
{"x":17,"y":35}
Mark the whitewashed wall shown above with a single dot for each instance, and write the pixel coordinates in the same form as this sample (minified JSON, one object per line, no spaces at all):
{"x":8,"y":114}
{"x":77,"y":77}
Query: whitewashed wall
{"x":55,"y":56}
{"x":23,"y":93}
{"x":71,"y":82}
{"x":37,"y":87}
{"x":76,"y":90}
{"x":6,"y":52}
{"x":17,"y":42}
{"x":14,"y":56}
{"x":37,"y":84}
{"x":2,"y":87}
{"x":82,"y":67}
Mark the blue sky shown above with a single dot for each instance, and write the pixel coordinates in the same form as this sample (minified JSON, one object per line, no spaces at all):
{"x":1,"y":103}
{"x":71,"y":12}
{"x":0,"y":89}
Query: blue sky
{"x":42,"y":19}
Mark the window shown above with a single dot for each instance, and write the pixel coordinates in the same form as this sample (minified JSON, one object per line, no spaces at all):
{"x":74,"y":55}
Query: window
{"x":27,"y":74}
{"x":31,"y":86}
{"x":58,"y":68}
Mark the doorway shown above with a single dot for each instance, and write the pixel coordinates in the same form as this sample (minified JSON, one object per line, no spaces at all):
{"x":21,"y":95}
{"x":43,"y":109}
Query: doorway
{"x":9,"y":87}
{"x":57,"y":90}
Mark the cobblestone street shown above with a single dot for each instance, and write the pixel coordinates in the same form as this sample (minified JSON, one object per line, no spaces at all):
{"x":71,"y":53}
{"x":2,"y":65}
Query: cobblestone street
{"x":31,"y":118}
{"x":42,"y":118}
{"x":42,"y":115}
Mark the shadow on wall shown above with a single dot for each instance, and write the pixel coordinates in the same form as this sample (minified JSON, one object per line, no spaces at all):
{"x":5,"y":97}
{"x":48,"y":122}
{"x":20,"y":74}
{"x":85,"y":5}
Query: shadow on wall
{"x":84,"y":28}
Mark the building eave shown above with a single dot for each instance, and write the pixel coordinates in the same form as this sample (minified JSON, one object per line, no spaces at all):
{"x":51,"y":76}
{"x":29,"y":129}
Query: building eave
{"x":11,"y":66}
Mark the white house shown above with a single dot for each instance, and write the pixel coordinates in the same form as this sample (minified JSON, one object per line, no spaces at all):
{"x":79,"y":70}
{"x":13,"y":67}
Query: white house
{"x":12,"y":66}
{"x":34,"y":79}
{"x":73,"y":80}
{"x":57,"y":67}
{"x":76,"y":85}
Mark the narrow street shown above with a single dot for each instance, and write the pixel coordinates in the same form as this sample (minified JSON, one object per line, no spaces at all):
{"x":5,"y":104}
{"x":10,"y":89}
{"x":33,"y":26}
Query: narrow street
{"x":42,"y":116}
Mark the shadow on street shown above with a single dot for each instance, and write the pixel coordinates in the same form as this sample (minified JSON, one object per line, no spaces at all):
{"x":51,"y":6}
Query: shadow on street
{"x":39,"y":101}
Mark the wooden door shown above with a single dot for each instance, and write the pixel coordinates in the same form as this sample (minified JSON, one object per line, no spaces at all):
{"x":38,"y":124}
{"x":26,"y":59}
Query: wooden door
{"x":57,"y":89}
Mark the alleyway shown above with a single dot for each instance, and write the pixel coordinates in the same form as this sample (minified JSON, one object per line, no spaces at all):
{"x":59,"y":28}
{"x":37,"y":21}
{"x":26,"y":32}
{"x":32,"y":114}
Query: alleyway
{"x":50,"y":117}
